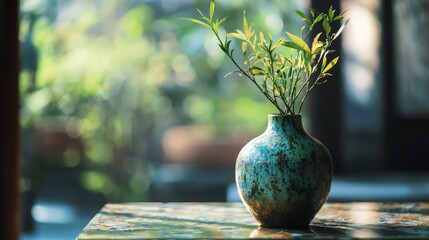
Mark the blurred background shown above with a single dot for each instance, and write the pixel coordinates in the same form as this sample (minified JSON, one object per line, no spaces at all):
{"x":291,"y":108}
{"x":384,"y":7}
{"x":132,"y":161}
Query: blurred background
{"x":121,"y":101}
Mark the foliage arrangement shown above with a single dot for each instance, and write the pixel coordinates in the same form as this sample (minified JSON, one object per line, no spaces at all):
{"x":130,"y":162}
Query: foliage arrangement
{"x":287,"y":69}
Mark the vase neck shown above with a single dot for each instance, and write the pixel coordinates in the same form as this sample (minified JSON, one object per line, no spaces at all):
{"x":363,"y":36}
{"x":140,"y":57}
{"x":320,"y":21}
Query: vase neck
{"x":284,"y":123}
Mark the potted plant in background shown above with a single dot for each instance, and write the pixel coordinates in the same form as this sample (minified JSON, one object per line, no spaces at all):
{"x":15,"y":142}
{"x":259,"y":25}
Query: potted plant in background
{"x":284,"y":175}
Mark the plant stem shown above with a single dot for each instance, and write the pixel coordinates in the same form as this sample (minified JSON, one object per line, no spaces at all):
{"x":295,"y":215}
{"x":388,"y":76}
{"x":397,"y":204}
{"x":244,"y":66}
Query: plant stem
{"x":323,"y":53}
{"x":275,"y":86}
{"x":249,"y":77}
{"x":308,"y":91}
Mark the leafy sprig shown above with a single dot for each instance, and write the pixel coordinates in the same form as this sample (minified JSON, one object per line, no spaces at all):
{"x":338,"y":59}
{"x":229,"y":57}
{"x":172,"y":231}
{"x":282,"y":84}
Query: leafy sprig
{"x":284,"y":77}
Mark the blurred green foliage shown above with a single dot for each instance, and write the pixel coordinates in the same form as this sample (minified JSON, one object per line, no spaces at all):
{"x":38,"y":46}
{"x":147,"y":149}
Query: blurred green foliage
{"x":126,"y":71}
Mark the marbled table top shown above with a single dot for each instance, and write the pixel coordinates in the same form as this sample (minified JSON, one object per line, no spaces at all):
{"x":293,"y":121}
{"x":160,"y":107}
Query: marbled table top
{"x":231,"y":220}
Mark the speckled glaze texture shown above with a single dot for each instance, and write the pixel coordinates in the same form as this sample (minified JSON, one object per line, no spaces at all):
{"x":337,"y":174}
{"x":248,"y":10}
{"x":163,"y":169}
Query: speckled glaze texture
{"x":284,"y":175}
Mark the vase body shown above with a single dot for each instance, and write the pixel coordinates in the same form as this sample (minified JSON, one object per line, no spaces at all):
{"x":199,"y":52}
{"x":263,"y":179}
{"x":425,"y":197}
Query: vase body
{"x":284,"y":175}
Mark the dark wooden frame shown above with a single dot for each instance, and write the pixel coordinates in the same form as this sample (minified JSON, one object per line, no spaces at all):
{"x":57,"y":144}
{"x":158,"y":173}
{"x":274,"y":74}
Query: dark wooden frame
{"x":406,"y":138}
{"x":9,"y":120}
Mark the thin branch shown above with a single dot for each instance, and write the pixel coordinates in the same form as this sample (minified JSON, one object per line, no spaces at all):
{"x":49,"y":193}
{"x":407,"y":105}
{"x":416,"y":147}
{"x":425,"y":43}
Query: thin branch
{"x":248,"y":76}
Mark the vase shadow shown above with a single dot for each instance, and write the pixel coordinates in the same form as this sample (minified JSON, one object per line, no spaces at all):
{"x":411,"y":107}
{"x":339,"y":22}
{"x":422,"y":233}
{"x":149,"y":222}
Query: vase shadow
{"x":263,"y":232}
{"x":309,"y":232}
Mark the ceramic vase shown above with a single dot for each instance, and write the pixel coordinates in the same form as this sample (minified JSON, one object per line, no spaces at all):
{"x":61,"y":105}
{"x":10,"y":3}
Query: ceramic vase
{"x":284,"y":175}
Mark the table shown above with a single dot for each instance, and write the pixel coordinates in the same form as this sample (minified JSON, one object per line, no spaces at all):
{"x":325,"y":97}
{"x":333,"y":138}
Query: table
{"x":368,"y":220}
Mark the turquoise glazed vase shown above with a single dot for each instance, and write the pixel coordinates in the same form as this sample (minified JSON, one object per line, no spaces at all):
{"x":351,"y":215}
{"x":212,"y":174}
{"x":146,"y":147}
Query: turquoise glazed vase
{"x":284,"y":175}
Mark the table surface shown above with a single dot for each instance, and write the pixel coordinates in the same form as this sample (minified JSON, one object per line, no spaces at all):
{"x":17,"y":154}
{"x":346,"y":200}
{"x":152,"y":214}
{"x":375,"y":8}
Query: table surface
{"x":231,"y":220}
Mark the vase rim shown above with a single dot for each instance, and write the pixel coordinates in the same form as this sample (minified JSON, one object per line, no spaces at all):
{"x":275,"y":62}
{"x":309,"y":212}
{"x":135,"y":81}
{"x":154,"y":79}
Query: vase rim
{"x":284,"y":115}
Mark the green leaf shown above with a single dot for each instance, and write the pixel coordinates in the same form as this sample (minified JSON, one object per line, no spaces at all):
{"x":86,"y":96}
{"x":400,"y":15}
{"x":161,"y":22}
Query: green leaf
{"x":299,"y":42}
{"x":270,"y":36}
{"x":339,"y":17}
{"x":232,"y":52}
{"x":324,"y":61}
{"x":302,"y":30}
{"x":317,"y":50}
{"x":317,"y":46}
{"x":299,"y":64}
{"x":331,"y":65}
{"x":318,"y":18}
{"x":212,"y":9}
{"x":343,"y":12}
{"x":197,"y":22}
{"x":277,"y":44}
{"x":215,"y":25}
{"x":223,"y":48}
{"x":242,"y":34}
{"x":321,"y":82}
{"x":327,"y":27}
{"x":232,"y":72}
{"x":303,"y":16}
{"x":228,"y":43}
{"x":316,"y":39}
{"x":222,"y":20}
{"x":262,"y":38}
{"x":337,"y":34}
{"x":312,"y":12}
{"x":202,"y":15}
{"x":292,"y":45}
{"x":244,"y":47}
{"x":255,"y":70}
{"x":237,"y":35}
{"x":247,"y":29}
{"x":331,"y":13}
